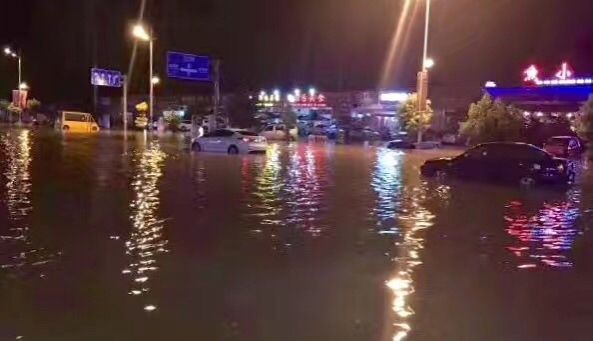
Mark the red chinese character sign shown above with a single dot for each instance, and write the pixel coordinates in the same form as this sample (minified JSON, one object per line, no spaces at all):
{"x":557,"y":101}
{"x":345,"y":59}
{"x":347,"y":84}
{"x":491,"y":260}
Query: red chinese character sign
{"x":311,"y":101}
{"x":565,"y":72}
{"x":531,"y":74}
{"x":564,"y":76}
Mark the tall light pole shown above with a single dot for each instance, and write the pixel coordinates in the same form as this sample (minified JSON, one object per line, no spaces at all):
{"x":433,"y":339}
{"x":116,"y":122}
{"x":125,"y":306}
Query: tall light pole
{"x":10,"y":53}
{"x":142,"y":34}
{"x":422,"y":85}
{"x":426,"y":25}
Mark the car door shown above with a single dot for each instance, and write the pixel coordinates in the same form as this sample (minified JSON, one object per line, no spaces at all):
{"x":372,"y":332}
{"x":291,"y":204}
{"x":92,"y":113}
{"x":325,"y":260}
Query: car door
{"x":279,"y":132}
{"x":474,"y":164}
{"x":218,"y":141}
{"x":268,"y":132}
{"x":206,"y":141}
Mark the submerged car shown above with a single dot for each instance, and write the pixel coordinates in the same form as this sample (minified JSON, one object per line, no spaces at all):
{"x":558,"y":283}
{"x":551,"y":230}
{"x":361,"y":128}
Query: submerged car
{"x":563,"y":146}
{"x":509,"y":162}
{"x":230,"y":141}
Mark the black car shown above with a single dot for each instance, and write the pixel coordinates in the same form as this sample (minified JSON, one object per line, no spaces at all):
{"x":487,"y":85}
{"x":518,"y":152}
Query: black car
{"x":511,"y":162}
{"x":399,"y":144}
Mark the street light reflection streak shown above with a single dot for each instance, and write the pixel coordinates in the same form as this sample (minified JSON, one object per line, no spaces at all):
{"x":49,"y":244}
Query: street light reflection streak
{"x":414,"y":219}
{"x":146,"y":239}
{"x":18,"y":249}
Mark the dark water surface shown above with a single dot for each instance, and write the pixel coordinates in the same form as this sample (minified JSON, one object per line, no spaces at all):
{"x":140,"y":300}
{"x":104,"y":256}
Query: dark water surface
{"x":106,"y":239}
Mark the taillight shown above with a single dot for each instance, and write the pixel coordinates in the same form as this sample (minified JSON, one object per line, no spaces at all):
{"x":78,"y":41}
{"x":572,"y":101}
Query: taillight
{"x":244,"y":139}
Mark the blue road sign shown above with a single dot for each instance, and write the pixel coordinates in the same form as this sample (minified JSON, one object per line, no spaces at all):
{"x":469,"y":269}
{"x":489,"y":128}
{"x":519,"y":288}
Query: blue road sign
{"x":101,"y":77}
{"x":188,"y":66}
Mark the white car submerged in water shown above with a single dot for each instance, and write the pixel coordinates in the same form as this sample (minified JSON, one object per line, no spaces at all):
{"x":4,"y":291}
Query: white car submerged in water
{"x":230,"y":141}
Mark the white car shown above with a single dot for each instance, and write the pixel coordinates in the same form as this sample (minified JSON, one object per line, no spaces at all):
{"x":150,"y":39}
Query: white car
{"x":278,"y":132}
{"x":230,"y":141}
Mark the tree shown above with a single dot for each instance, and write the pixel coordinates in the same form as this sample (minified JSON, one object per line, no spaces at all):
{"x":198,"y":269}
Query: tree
{"x":413,"y":120}
{"x":4,"y":104}
{"x":584,"y":121}
{"x":490,"y":120}
{"x":33,"y":104}
{"x":241,"y":111}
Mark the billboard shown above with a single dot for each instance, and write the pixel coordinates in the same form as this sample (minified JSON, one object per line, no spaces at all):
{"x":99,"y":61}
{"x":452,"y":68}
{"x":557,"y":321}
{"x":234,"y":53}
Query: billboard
{"x":102,"y":77}
{"x":188,"y":66}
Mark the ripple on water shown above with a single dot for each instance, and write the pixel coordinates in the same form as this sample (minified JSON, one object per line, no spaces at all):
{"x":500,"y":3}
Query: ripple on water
{"x":543,"y":238}
{"x":18,"y":253}
{"x":146,"y":239}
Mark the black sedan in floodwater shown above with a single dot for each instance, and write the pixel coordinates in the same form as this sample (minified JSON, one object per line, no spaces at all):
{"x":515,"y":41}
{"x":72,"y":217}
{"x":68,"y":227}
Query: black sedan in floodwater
{"x":510,"y":162}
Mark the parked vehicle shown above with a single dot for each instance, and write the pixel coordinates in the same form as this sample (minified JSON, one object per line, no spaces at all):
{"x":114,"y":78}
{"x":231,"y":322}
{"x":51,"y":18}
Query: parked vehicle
{"x":563,"y":146}
{"x":428,"y":145}
{"x":230,"y":141}
{"x":77,"y":121}
{"x":399,"y":144}
{"x":278,"y":132}
{"x":184,"y":126}
{"x":452,"y":139}
{"x":512,"y":162}
{"x":363,"y":134}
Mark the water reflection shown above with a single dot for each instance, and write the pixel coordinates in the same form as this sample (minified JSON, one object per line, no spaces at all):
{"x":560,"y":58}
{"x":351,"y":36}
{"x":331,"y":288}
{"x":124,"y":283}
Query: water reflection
{"x":267,"y":205}
{"x":18,"y":251}
{"x":388,"y":183}
{"x":414,"y":218}
{"x":146,"y":240}
{"x":305,"y":188}
{"x":546,"y":237}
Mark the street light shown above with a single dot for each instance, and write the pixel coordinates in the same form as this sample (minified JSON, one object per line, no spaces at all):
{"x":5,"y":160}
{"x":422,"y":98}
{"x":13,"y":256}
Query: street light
{"x":23,"y":86}
{"x":142,"y":34}
{"x":155,"y":80}
{"x":12,"y":54}
{"x":422,"y":85}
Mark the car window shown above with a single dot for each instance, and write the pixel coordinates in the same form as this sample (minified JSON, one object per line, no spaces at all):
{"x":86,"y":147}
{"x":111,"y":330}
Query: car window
{"x":478,"y":152}
{"x":246,"y":133}
{"x":269,"y":128}
{"x":279,"y":127}
{"x":224,"y":133}
{"x":526,"y":153}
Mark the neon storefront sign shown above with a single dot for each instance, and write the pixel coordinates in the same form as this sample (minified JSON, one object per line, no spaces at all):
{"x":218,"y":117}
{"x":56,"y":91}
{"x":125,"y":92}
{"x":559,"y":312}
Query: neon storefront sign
{"x":564,"y":76}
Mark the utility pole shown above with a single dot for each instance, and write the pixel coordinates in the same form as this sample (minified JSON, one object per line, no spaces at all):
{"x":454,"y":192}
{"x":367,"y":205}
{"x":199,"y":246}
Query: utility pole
{"x":125,"y":102}
{"x":216,"y":72}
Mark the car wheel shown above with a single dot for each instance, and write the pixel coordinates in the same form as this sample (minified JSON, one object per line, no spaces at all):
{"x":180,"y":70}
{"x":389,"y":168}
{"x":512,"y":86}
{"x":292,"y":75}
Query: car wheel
{"x":66,"y":128}
{"x":94,"y":128}
{"x":527,"y":181}
{"x":233,"y":150}
{"x":196,"y":147}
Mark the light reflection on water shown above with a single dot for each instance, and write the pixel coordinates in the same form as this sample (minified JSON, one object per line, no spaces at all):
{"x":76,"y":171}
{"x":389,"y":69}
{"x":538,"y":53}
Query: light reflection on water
{"x":146,"y":239}
{"x":388,"y":183}
{"x":305,"y":187}
{"x":401,"y":212}
{"x":18,"y":251}
{"x":546,"y":237}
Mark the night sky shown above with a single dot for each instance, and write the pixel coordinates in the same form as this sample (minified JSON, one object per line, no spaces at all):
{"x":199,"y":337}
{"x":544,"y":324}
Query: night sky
{"x":332,"y":44}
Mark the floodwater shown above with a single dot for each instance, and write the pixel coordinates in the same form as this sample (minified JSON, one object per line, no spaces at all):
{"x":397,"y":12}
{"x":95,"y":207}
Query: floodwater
{"x":103,"y":238}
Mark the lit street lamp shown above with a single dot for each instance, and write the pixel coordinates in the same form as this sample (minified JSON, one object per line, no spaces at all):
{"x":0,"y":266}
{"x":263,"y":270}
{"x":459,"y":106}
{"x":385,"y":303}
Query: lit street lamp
{"x":428,"y":63}
{"x":142,"y":34}
{"x":10,"y":53}
{"x":23,"y":86}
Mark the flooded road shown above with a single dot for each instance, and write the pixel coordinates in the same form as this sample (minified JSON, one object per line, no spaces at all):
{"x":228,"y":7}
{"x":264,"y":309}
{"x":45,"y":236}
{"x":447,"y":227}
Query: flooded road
{"x":103,"y":238}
